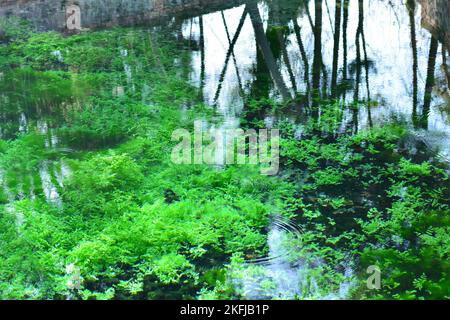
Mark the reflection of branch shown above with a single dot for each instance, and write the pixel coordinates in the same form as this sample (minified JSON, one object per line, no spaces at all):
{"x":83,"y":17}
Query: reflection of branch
{"x":190,"y":33}
{"x":366,"y":63}
{"x":358,"y":75}
{"x":232,"y":53}
{"x":302,"y":51}
{"x":286,"y":59}
{"x":429,"y":82}
{"x":411,"y":8}
{"x":329,"y":15}
{"x":317,"y":63}
{"x":337,"y":34}
{"x":230,"y":50}
{"x":358,"y":58}
{"x":264,"y":46}
{"x":444,"y":64}
{"x":344,"y":36}
{"x":366,"y":60}
{"x":308,"y":13}
{"x":202,"y":53}
{"x":395,"y":12}
{"x":325,"y":78}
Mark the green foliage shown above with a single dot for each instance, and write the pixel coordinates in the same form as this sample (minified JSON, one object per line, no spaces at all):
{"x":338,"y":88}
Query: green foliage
{"x":105,"y":122}
{"x":39,"y":50}
{"x":14,"y":28}
{"x":135,"y":226}
{"x":30,"y":247}
{"x":392,"y":209}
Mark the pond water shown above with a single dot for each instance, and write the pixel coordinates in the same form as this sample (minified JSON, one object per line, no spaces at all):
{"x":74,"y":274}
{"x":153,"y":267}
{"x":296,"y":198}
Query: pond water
{"x":376,"y":64}
{"x":374,"y":55}
{"x":367,"y":57}
{"x":369,"y":60}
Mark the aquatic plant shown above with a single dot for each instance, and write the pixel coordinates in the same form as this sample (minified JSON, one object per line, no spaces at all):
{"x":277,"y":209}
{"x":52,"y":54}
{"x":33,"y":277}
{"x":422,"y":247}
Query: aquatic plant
{"x":129,"y":224}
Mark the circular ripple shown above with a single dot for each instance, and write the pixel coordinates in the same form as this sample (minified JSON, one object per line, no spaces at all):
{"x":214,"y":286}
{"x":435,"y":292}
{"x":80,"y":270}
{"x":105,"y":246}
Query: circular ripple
{"x":286,"y":226}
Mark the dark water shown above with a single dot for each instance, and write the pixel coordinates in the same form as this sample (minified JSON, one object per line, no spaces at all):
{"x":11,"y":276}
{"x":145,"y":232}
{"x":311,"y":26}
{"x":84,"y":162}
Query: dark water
{"x":368,"y":53}
{"x":374,"y":55}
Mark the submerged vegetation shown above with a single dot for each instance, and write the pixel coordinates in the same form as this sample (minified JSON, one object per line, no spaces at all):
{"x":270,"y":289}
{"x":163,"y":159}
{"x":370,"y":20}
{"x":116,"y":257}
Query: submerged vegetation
{"x":91,"y":206}
{"x":133,"y":224}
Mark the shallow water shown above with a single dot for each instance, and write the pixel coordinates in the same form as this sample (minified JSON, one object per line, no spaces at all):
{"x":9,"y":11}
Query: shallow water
{"x":374,"y":65}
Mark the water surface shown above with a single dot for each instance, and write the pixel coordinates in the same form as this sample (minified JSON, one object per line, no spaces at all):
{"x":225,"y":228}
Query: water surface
{"x":372,"y":58}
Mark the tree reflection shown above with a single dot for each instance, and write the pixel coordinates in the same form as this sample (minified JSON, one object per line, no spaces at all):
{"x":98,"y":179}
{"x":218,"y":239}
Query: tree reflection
{"x":264,"y":47}
{"x":411,"y":6}
{"x":317,"y":62}
{"x":337,"y":33}
{"x":310,"y":51}
{"x":429,"y":83}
